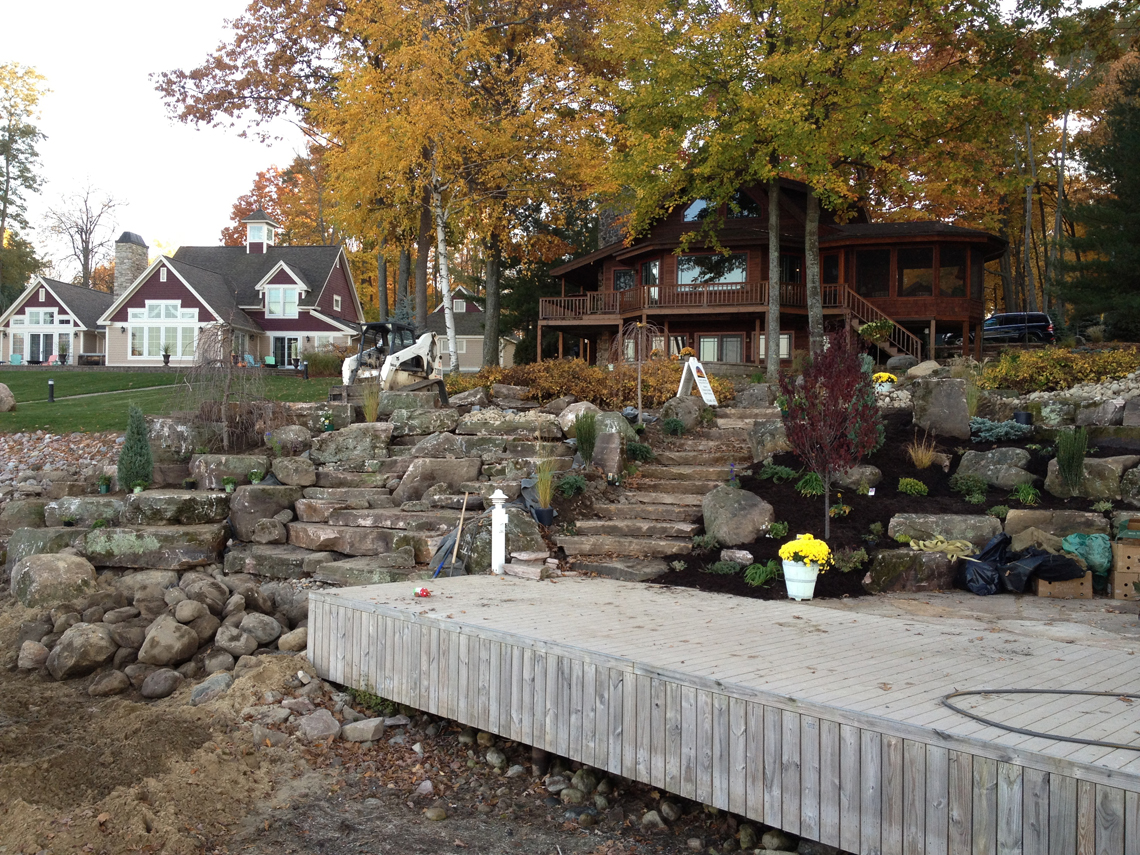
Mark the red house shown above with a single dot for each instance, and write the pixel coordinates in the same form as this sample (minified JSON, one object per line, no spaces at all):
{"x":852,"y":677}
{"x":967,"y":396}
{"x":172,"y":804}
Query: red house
{"x":922,"y":276}
{"x":276,"y":302}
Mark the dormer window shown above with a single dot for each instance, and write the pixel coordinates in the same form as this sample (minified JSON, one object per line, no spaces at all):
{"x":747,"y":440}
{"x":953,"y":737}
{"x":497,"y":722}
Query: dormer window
{"x":280,"y":302}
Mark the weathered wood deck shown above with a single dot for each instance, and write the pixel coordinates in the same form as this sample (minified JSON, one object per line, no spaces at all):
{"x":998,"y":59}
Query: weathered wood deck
{"x":826,"y":725}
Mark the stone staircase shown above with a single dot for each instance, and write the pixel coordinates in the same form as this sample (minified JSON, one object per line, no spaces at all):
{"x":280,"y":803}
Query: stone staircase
{"x":660,"y":510}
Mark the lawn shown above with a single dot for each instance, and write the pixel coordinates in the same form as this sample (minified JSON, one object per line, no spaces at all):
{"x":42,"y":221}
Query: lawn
{"x":108,"y":410}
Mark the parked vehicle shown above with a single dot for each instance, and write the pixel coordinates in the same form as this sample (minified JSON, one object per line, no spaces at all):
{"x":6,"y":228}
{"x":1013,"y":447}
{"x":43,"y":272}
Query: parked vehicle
{"x":1009,"y":327}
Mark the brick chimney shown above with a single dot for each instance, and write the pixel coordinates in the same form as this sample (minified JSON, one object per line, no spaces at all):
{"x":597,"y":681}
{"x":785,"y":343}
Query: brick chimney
{"x":130,"y":260}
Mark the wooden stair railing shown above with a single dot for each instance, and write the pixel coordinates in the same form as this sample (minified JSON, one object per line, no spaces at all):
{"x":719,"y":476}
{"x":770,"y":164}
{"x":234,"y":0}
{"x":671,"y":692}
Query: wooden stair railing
{"x":900,"y":341}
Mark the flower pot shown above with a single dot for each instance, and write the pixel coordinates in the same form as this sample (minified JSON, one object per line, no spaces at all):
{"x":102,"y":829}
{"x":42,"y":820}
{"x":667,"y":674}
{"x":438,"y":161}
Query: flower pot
{"x":166,"y":359}
{"x":799,"y":578}
{"x":328,"y":428}
{"x":884,"y":387}
{"x":229,"y":488}
{"x":545,"y":516}
{"x":104,"y":488}
{"x":138,"y":490}
{"x":1022,"y":417}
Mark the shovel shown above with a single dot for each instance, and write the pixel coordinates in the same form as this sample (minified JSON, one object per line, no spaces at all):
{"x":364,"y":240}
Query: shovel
{"x":455,"y":549}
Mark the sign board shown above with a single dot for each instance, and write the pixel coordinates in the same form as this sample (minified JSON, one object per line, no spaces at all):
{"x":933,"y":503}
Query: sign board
{"x":695,"y":372}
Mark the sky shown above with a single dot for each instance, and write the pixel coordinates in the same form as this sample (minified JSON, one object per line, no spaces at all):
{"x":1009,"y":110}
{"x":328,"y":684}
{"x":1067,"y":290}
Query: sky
{"x":107,"y":126}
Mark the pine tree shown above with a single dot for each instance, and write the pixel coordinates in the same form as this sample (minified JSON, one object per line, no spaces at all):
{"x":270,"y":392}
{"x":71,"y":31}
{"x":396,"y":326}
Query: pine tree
{"x":135,"y":460}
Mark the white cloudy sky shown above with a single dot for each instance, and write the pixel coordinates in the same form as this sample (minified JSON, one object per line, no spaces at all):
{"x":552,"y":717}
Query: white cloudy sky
{"x":107,"y":126}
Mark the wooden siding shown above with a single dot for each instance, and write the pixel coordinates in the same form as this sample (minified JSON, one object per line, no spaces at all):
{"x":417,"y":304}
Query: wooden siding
{"x":283,"y":277}
{"x":303,"y":323}
{"x":154,"y":289}
{"x":338,"y":286}
{"x":793,"y":715}
{"x":30,"y":300}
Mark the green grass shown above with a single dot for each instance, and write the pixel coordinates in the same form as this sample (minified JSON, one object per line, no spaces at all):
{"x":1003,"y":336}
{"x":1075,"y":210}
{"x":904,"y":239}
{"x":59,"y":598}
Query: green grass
{"x":108,"y":412}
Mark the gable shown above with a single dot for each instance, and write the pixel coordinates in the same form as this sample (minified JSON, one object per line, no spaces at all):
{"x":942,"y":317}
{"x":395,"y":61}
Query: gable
{"x":338,"y":285}
{"x":153,"y":288}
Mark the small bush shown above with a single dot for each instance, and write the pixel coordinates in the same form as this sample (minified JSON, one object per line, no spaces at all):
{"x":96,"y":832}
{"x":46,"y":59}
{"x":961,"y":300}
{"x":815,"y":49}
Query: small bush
{"x":998,"y":511}
{"x":921,"y":452}
{"x":974,"y":498}
{"x":722,"y":568}
{"x":677,"y":565}
{"x":704,"y":542}
{"x":1102,"y":506}
{"x":984,"y":430}
{"x":708,"y":416}
{"x":638,"y":451}
{"x":777,"y":474}
{"x":864,"y":489}
{"x":846,"y":559}
{"x":1072,"y":445}
{"x":876,"y":528}
{"x":912,"y":487}
{"x":839,"y":510}
{"x":810,"y":485}
{"x":968,"y":484}
{"x":759,"y":575}
{"x":325,"y":363}
{"x":586,"y":435}
{"x":673,"y":427}
{"x":778,"y":530}
{"x":1027,"y":494}
{"x":572,"y":485}
{"x":136,"y":463}
{"x":902,"y":539}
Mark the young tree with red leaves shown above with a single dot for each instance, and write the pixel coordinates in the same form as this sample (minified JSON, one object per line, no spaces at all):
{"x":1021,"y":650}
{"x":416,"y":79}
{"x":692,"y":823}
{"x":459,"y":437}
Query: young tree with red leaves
{"x":832,"y":419}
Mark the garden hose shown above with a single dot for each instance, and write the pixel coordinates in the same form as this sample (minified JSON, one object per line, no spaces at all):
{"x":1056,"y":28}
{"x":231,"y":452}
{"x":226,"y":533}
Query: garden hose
{"x":953,"y":548}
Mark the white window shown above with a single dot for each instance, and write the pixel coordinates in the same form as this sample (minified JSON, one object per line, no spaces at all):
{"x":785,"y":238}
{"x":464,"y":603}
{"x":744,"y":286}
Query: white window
{"x":324,"y":342}
{"x":163,"y":326}
{"x":461,"y":345}
{"x":785,"y":346}
{"x":49,"y":319}
{"x":43,"y":294}
{"x":18,"y":321}
{"x":281,"y":302}
{"x":459,"y":305}
{"x":336,"y":304}
{"x":162,"y":274}
{"x":33,"y":319}
{"x":256,"y":232}
{"x":18,"y":343}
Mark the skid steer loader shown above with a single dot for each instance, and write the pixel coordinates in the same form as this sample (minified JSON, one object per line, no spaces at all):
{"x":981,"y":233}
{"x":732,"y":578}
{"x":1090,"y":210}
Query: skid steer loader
{"x":392,"y":356}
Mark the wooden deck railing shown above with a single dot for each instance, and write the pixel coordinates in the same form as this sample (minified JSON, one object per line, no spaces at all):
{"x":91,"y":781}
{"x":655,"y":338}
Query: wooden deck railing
{"x":899,"y":339}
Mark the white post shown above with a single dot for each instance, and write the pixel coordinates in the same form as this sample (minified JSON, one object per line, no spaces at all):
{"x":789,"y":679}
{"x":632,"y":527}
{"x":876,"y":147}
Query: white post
{"x":498,"y":532}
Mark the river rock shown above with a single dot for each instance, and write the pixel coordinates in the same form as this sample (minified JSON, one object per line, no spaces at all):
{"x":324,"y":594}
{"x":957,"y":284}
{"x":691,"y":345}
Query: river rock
{"x":940,"y":407}
{"x":189,"y":611}
{"x":295,"y":471}
{"x":109,"y":683}
{"x":33,"y":656}
{"x":476,"y":397}
{"x":168,"y":643}
{"x":295,"y":641}
{"x":218,"y":660}
{"x":212,"y":687}
{"x":976,"y":528}
{"x":910,"y":570}
{"x":263,"y":628}
{"x":45,"y":580}
{"x":161,"y":684}
{"x":686,"y":409}
{"x":1003,"y":468}
{"x":81,"y":650}
{"x":234,"y":641}
{"x":734,"y":516}
{"x":767,"y":438}
{"x":259,"y":502}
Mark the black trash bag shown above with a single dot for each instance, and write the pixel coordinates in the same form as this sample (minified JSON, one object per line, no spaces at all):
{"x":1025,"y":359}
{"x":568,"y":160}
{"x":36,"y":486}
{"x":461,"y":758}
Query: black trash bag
{"x":995,"y":567}
{"x":979,"y":573}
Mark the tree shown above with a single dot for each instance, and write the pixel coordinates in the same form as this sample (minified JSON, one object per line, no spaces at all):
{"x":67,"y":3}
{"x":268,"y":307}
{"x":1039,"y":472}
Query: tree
{"x":18,"y":263}
{"x":832,"y":419}
{"x":20,"y":91}
{"x":293,"y":197}
{"x":136,"y":463}
{"x":85,"y":221}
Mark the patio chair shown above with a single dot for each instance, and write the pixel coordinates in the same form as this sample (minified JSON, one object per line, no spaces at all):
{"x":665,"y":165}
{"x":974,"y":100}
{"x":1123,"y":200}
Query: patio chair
{"x":16,"y":359}
{"x":52,"y":360}
{"x":250,"y":361}
{"x":270,"y":361}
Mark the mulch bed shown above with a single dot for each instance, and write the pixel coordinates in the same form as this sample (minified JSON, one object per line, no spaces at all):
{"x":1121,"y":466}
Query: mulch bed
{"x":805,"y":514}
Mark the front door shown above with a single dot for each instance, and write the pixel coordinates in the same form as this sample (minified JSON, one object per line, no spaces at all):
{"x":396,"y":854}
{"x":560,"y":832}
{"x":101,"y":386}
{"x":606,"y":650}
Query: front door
{"x":39,"y":346}
{"x":285,"y":349}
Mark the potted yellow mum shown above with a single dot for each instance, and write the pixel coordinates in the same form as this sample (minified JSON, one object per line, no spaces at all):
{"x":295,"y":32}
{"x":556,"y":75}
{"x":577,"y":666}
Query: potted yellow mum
{"x":884,"y":381}
{"x":803,"y":558}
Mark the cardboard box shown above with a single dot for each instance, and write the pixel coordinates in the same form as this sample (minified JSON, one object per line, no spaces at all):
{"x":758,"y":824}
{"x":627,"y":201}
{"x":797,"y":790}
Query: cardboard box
{"x":1073,"y":589}
{"x":1121,"y":585}
{"x":1126,"y":557}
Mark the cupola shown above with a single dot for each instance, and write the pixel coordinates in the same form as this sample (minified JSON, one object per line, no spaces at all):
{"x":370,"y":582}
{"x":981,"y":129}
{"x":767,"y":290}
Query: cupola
{"x":260,"y":232}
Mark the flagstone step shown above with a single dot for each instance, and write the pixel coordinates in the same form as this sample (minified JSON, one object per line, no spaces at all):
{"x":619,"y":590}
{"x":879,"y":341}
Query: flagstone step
{"x":700,"y":458}
{"x":671,"y":485}
{"x":335,"y":478}
{"x":641,"y":511}
{"x":625,"y":569}
{"x":375,"y":498}
{"x":443,"y":520}
{"x":637,"y":528}
{"x":651,"y":498}
{"x":654,"y":547}
{"x":735,"y":423}
{"x":356,"y":540}
{"x":685,"y":473}
{"x":750,"y":413}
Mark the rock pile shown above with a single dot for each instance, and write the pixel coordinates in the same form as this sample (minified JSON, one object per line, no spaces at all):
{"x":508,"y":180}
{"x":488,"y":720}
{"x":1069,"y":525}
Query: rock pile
{"x":48,"y":465}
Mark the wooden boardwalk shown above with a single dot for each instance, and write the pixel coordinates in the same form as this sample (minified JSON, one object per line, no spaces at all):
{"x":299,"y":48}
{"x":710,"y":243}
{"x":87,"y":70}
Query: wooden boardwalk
{"x":812,"y":720}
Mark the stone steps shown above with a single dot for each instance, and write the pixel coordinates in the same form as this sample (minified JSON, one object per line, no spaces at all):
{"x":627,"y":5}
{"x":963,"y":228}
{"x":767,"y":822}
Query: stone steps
{"x":700,"y":458}
{"x":358,"y":540}
{"x":693,"y":487}
{"x":641,"y":511}
{"x":376,"y":498}
{"x":443,"y":520}
{"x":648,"y":497}
{"x":734,"y":423}
{"x":625,"y":569}
{"x":336,"y":479}
{"x":750,"y":413}
{"x":635,"y":528}
{"x":653,"y":547}
{"x":685,"y":472}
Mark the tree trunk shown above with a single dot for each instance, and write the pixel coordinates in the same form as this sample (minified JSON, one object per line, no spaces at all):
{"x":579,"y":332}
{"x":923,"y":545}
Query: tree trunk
{"x":827,"y":508}
{"x":491,"y":302}
{"x":772,"y":338}
{"x":382,"y":281}
{"x":1055,"y":250}
{"x":403,"y":274}
{"x":1030,"y":292}
{"x":444,"y":271}
{"x":423,"y":246}
{"x":814,"y":295}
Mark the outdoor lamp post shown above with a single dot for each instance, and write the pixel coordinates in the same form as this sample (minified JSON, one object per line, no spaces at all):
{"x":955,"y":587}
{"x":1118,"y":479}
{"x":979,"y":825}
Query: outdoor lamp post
{"x":51,"y":391}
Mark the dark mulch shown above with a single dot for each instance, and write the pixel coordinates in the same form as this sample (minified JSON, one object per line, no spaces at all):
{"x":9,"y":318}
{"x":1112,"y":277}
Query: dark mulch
{"x":805,"y":514}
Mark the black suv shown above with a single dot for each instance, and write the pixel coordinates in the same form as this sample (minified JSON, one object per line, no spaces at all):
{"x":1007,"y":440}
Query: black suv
{"x":1010,"y":326}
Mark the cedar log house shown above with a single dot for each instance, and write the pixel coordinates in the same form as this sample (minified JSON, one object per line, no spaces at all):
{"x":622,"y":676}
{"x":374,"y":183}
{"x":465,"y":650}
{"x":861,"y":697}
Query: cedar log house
{"x":924,"y":277}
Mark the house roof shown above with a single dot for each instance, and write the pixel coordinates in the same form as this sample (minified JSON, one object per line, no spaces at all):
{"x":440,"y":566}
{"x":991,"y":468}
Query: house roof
{"x":242,"y":270}
{"x":86,"y":304}
{"x":466,"y":323}
{"x":213,"y":288}
{"x":259,"y":216}
{"x":132,"y":237}
{"x":867,"y":232}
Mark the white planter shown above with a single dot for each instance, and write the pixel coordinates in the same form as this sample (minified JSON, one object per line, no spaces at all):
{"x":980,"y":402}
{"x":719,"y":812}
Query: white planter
{"x":800,"y":579}
{"x":884,"y":387}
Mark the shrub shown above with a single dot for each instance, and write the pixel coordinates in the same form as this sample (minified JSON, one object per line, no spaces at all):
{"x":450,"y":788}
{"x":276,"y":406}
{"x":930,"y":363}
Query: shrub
{"x":1055,"y":368}
{"x":921,"y":452}
{"x":325,"y":363}
{"x":586,"y":435}
{"x":722,"y":568}
{"x":1027,"y":494}
{"x":968,"y":484}
{"x":759,"y":575}
{"x":778,"y":474}
{"x":371,"y":402}
{"x":1103,"y":506}
{"x":136,"y":463}
{"x":677,"y":565}
{"x":1071,"y":448}
{"x":998,"y":511}
{"x":810,"y":485}
{"x":572,"y":485}
{"x":984,"y":430}
{"x":638,"y":451}
{"x":877,"y":330}
{"x":674,"y":427}
{"x":912,"y":487}
{"x":704,"y":542}
{"x":902,"y":539}
{"x":876,"y":528}
{"x":847,"y":559}
{"x":708,"y":416}
{"x":839,"y":510}
{"x":778,"y":530}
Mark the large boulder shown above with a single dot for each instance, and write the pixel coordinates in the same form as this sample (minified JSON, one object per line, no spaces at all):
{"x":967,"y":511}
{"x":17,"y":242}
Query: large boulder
{"x":687,"y":409}
{"x":1130,"y":487}
{"x":523,"y":535}
{"x":22,"y":513}
{"x":392,"y":401}
{"x":41,"y":541}
{"x":976,"y":528}
{"x":427,"y":472}
{"x":45,"y":580}
{"x":734,"y":516}
{"x":1101,"y":412}
{"x":922,"y":369}
{"x":440,"y":446}
{"x":569,"y":415}
{"x":616,"y":423}
{"x":209,"y":469}
{"x":1058,"y":412}
{"x":901,"y":364}
{"x":275,"y":561}
{"x":1060,"y":523}
{"x":80,"y":650}
{"x":83,"y":510}
{"x":157,"y":547}
{"x":863,"y":474}
{"x":288,"y":440}
{"x":7,"y":399}
{"x":940,"y":407}
{"x":173,"y":439}
{"x":234,"y":641}
{"x":476,"y":397}
{"x":423,"y":422}
{"x":308,"y":416}
{"x":1102,"y":478}
{"x":175,"y":507}
{"x":168,"y":642}
{"x":295,"y":471}
{"x":263,"y":628}
{"x":495,"y":422}
{"x":910,"y":570}
{"x":1003,"y":468}
{"x":258,"y":502}
{"x":357,"y":447}
{"x":768,"y":438}
{"x":756,"y":396}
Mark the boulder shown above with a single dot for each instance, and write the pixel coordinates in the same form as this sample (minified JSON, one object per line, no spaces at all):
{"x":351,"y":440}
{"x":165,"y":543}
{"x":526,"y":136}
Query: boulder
{"x":1058,"y":412}
{"x":234,"y":641}
{"x":209,"y":469}
{"x":132,"y":584}
{"x":275,"y":561}
{"x":910,"y":570}
{"x":214,"y":686}
{"x":768,"y":438}
{"x":7,"y":399}
{"x":173,"y":439}
{"x":1102,"y":479}
{"x":616,"y":423}
{"x":308,"y":415}
{"x":168,"y":642}
{"x":218,"y":660}
{"x":258,"y":502}
{"x":734,"y":516}
{"x":318,"y":726}
{"x":440,"y":445}
{"x":609,"y":454}
{"x":686,"y":409}
{"x":174,"y":507}
{"x":853,"y":478}
{"x":901,"y":364}
{"x":289,"y":440}
{"x":355,"y":447}
{"x":264,"y":629}
{"x":295,"y":471}
{"x":492,"y":421}
{"x":1101,"y":413}
{"x":109,"y":683}
{"x":1003,"y":468}
{"x":1060,"y":523}
{"x":367,"y":730}
{"x":81,"y":650}
{"x":392,"y":401}
{"x":976,"y":528}
{"x":556,"y":406}
{"x":47,"y":580}
{"x":158,"y":547}
{"x":476,"y":397}
{"x":33,"y":656}
{"x":755,"y":396}
{"x":351,"y":540}
{"x":83,"y":510}
{"x":940,"y":407}
{"x":523,"y":535}
{"x":294,"y":641}
{"x":423,"y":422}
{"x":161,"y":684}
{"x":427,"y":472}
{"x":1130,"y":487}
{"x":569,"y":416}
{"x":504,"y":390}
{"x":269,"y":531}
{"x":22,"y":513}
{"x":189,"y":611}
{"x":921,"y":369}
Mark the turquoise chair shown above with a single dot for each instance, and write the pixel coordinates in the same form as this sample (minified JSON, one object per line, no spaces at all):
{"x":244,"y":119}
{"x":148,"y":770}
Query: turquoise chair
{"x":16,"y":359}
{"x":250,"y":361}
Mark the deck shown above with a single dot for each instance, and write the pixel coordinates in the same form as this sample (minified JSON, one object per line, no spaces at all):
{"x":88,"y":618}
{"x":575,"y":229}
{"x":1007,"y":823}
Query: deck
{"x":824,"y":724}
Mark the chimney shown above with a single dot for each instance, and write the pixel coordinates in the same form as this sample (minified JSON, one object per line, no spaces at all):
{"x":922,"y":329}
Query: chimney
{"x":130,"y":260}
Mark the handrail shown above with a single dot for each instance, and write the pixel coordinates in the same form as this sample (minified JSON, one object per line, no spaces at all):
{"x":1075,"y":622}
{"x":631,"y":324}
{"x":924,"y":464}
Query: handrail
{"x":902,"y":339}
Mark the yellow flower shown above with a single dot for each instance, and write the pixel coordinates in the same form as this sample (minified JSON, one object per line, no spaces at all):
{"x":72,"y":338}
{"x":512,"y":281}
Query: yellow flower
{"x":806,"y":549}
{"x":884,"y":377}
